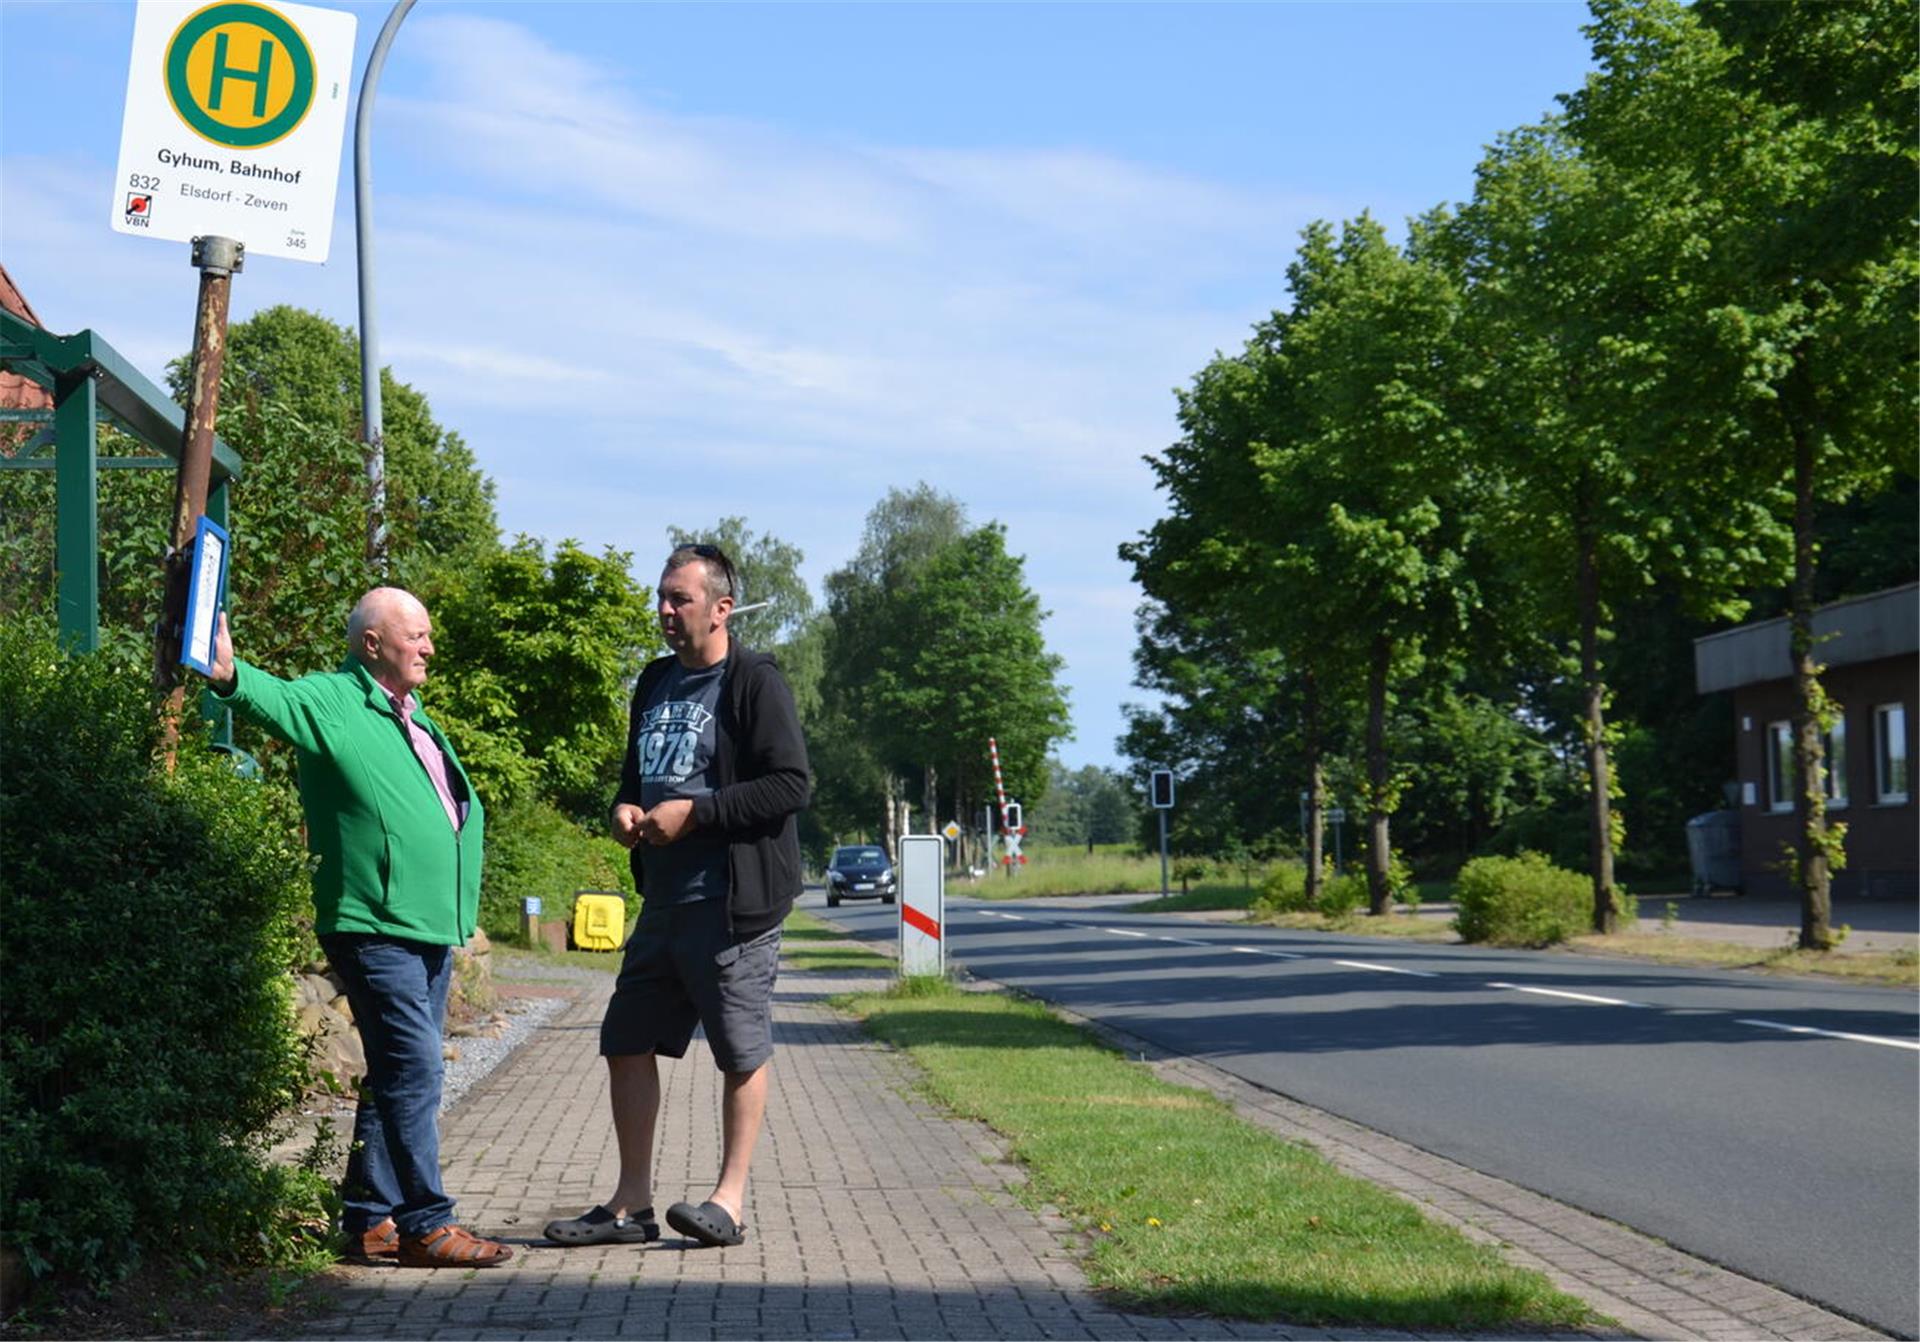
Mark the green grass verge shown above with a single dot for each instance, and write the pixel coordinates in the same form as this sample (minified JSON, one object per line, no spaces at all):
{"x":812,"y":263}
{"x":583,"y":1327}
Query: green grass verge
{"x":808,"y":943}
{"x":506,"y":959}
{"x":1900,"y":969}
{"x":1395,"y":924}
{"x":1191,"y":1208}
{"x":1200,"y":899}
{"x":1066,"y":871}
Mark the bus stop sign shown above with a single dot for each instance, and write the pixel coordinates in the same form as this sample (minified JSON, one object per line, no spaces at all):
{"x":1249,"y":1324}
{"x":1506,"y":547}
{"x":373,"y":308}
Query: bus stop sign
{"x":235,"y":116}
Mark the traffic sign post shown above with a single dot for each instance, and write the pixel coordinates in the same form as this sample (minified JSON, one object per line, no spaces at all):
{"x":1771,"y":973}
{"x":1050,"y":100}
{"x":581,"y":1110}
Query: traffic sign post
{"x":923,"y":904}
{"x":234,"y":120}
{"x":1160,"y":793}
{"x":230,"y":140}
{"x":1011,"y":828}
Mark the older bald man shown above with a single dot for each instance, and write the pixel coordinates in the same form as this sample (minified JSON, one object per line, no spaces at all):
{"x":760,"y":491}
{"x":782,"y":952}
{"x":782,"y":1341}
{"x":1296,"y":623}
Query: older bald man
{"x":398,"y":831}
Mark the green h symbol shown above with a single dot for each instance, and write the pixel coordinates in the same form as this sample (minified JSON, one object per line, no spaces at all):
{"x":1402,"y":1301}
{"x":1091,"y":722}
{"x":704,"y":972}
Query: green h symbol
{"x":257,"y":76}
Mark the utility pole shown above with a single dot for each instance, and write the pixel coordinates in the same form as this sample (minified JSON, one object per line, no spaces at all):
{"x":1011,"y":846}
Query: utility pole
{"x":373,"y":429}
{"x":218,"y":260}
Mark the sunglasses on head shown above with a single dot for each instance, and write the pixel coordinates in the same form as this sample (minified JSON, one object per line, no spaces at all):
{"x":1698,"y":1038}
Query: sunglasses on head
{"x":714,"y":554}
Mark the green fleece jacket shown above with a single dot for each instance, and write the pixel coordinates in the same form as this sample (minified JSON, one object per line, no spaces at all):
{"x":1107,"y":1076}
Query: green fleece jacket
{"x":390,"y":863}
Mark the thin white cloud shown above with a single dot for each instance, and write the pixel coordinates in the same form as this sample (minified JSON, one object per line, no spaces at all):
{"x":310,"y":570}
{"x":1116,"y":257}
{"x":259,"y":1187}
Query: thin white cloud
{"x":638,"y":318}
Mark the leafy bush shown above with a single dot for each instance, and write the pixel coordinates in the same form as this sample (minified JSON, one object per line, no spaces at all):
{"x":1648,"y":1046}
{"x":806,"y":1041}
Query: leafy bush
{"x":1559,"y":831}
{"x":147,"y":924}
{"x":1523,"y":901}
{"x":534,"y":849}
{"x":1344,"y":896}
{"x":1284,"y":890}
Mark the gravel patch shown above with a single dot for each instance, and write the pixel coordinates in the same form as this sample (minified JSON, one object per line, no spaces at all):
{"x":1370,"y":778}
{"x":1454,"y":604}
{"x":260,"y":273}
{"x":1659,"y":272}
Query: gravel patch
{"x":480,"y":1054}
{"x":524,"y":968}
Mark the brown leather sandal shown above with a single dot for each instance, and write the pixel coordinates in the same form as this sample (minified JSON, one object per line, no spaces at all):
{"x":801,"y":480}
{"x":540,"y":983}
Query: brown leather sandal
{"x":375,"y":1246}
{"x":452,"y":1246}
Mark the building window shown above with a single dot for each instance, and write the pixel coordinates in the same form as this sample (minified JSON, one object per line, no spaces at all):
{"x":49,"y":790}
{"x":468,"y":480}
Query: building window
{"x":1834,"y":744}
{"x":1890,"y":781}
{"x":1780,"y":766}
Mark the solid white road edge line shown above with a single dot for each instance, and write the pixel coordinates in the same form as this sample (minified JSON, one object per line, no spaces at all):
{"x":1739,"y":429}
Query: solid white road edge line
{"x":1571,"y":997}
{"x":1832,"y":1034}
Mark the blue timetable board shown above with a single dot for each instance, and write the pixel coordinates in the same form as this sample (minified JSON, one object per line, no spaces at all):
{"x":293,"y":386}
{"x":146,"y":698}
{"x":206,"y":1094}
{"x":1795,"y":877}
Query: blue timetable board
{"x":206,"y":594}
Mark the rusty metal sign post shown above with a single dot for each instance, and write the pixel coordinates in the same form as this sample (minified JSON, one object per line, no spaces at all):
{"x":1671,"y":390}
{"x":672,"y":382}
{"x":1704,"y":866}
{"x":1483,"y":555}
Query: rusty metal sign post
{"x":218,"y":260}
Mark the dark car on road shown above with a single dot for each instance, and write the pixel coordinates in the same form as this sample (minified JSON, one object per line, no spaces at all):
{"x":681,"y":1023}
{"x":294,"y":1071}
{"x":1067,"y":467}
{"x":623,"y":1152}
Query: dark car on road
{"x":859,"y":871}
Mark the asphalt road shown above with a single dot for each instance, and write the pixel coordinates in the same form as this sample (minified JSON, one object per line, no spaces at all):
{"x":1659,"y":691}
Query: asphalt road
{"x":1770,"y":1125}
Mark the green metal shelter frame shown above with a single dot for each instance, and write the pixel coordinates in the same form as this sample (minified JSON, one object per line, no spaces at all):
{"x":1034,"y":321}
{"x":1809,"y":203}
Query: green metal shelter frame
{"x":88,"y":378}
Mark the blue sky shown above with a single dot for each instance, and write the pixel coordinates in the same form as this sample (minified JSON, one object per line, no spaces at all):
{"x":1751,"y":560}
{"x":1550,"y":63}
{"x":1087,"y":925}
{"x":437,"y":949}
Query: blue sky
{"x":664,"y":263}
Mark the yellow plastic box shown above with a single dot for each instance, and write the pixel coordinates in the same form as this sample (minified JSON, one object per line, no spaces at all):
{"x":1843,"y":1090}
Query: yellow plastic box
{"x":599,"y":921}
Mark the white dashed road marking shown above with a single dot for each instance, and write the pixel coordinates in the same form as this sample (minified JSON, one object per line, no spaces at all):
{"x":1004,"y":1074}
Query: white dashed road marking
{"x":1424,"y":974}
{"x":1571,"y":997}
{"x":1386,"y":969}
{"x":1833,"y":1034}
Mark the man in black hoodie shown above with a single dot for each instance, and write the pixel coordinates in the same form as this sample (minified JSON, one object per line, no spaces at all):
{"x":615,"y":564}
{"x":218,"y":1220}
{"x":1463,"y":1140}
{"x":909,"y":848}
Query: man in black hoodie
{"x":716,"y":771}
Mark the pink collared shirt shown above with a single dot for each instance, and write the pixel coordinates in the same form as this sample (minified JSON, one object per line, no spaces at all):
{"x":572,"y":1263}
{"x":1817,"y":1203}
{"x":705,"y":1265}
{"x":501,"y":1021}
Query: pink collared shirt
{"x":429,"y":754}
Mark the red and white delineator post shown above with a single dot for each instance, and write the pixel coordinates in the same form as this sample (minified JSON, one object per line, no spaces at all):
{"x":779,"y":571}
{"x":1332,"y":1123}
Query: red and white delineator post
{"x":1011,"y":830}
{"x":923,"y":904}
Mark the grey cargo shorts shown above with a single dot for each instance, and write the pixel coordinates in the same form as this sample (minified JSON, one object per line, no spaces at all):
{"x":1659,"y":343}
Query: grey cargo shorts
{"x":682,"y":966}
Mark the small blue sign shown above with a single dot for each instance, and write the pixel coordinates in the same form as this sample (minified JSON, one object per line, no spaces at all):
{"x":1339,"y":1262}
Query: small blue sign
{"x":206,"y":594}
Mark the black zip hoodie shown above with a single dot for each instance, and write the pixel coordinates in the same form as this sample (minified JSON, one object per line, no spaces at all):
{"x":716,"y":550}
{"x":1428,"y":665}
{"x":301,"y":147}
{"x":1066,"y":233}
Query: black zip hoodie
{"x":760,"y":781}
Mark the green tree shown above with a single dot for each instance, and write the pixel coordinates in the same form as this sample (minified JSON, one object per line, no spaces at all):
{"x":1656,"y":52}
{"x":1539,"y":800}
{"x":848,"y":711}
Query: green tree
{"x":439,"y":503}
{"x":1369,"y":351}
{"x":1229,"y":558}
{"x":1564,"y":327}
{"x":536,"y":655}
{"x":1088,"y":805}
{"x":1778,"y":149}
{"x":1229,"y":726}
{"x":860,"y":785}
{"x":964,"y":660}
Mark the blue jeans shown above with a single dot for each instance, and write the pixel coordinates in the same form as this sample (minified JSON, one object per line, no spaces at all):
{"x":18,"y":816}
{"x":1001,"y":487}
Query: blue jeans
{"x":398,"y":991}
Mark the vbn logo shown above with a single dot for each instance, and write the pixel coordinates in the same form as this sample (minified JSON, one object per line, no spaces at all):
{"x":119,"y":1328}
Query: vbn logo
{"x":240,"y":75}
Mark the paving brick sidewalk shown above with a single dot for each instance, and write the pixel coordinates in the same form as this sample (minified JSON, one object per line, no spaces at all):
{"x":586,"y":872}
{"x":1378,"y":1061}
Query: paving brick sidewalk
{"x":871,"y":1215}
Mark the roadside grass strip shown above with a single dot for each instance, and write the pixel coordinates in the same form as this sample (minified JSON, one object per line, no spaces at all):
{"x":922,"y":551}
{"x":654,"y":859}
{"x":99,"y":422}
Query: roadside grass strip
{"x":1200,"y":899}
{"x":508,"y":959}
{"x":1065,"y":872}
{"x":1900,"y":969}
{"x":808,"y":943}
{"x":1394,"y":924}
{"x":1191,"y":1209}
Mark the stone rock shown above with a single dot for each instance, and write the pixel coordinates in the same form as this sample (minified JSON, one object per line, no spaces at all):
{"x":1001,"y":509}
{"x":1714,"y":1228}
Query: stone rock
{"x":450,"y":1051}
{"x":336,"y":1057}
{"x":473,"y":993}
{"x":313,"y":988}
{"x":341,"y":1005}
